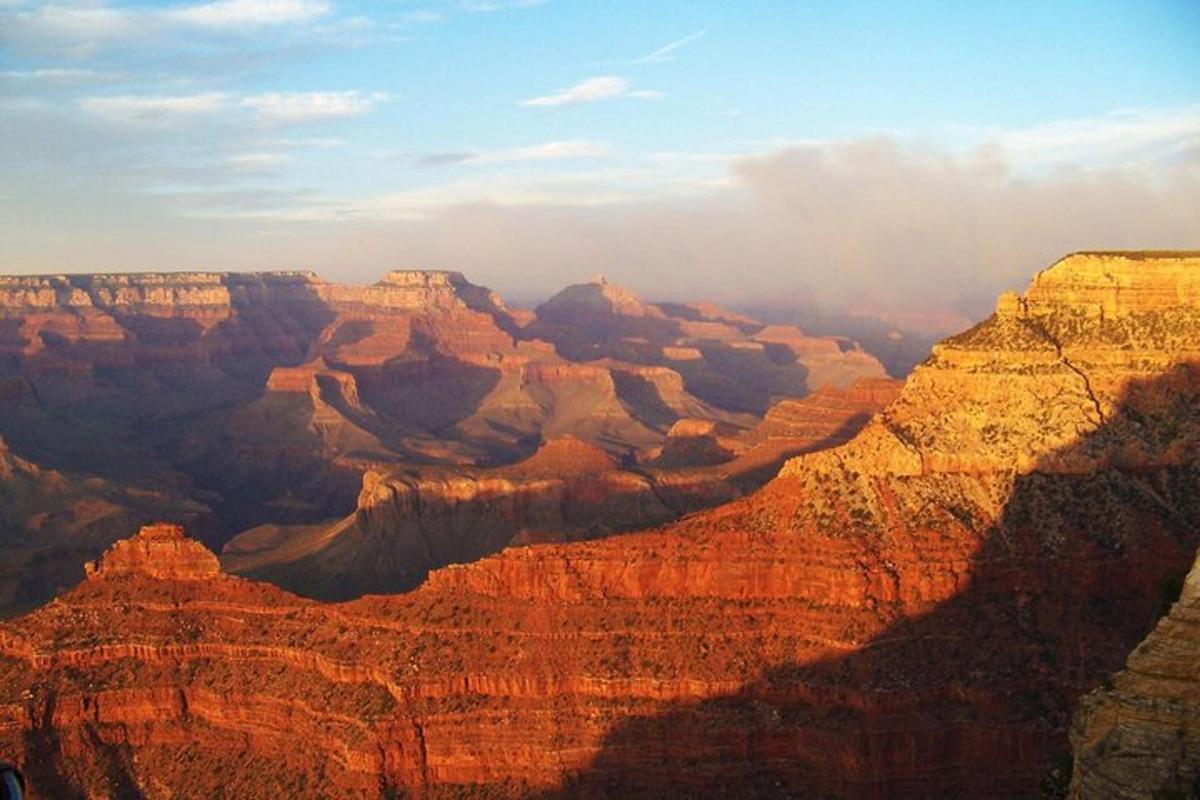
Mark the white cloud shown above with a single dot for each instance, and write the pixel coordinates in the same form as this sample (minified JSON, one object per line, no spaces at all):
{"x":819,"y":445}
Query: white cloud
{"x":546,"y":151}
{"x":154,"y":107}
{"x":57,"y":76}
{"x":320,"y":142}
{"x":667,"y":51}
{"x":257,"y":162}
{"x":591,"y":188}
{"x":76,"y":27}
{"x":571,"y":149}
{"x":250,"y":13}
{"x":79,"y":28}
{"x":601,"y":87}
{"x":299,"y":107}
{"x":487,"y":6}
{"x":278,"y":108}
{"x":420,"y":16}
{"x":1116,"y":139}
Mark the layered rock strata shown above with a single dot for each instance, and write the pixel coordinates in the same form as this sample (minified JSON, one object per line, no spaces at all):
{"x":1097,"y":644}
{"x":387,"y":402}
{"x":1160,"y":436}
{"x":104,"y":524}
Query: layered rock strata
{"x":241,"y":401}
{"x":411,"y":520}
{"x":912,"y":614}
{"x":1139,"y":734}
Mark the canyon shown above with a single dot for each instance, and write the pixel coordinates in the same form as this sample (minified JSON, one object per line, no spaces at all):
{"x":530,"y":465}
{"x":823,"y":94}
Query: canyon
{"x":914,"y":611}
{"x":1138,"y":734}
{"x":267,"y":404}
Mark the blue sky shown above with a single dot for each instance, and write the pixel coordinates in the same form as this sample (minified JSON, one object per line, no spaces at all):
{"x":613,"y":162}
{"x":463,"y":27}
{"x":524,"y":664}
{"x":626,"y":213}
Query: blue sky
{"x":356,"y":136}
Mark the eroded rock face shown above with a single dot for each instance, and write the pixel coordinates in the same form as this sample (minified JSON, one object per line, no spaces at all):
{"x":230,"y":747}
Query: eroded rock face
{"x":411,"y":520}
{"x":1139,"y":735}
{"x":236,"y":401}
{"x":157,"y":551}
{"x":912,"y":614}
{"x":724,"y":358}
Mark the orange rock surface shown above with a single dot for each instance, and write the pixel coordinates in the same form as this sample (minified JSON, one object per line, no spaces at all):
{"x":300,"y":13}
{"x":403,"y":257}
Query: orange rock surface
{"x":157,"y":551}
{"x":238,"y":402}
{"x":1138,"y":734}
{"x":411,"y":520}
{"x":912,"y":614}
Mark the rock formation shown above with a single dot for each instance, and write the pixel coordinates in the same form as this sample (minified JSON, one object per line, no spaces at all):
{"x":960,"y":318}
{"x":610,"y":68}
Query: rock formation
{"x":724,"y":358}
{"x":77,"y":515}
{"x":1139,"y":734}
{"x":158,"y":551}
{"x":413,"y":519}
{"x":238,"y":402}
{"x":912,"y":614}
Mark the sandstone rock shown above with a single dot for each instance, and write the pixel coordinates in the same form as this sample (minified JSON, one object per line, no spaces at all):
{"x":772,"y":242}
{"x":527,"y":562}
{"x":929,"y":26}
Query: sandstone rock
{"x":158,"y":551}
{"x":725,"y":359}
{"x":912,"y":614}
{"x":1117,"y":284}
{"x":1139,"y":735}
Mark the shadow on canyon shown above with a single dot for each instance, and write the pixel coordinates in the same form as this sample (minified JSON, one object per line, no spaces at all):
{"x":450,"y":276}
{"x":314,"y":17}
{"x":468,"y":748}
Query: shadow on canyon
{"x":107,"y":403}
{"x":973,"y":697}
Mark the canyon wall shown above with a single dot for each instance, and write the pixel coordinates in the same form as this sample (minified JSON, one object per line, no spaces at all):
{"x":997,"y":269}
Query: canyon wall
{"x":409,"y":520}
{"x":912,"y":614}
{"x":1138,"y":735}
{"x":233,"y":402}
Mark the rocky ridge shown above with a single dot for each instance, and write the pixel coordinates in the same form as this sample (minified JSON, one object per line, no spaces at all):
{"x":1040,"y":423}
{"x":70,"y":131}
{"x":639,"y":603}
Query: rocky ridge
{"x":1139,"y":734}
{"x":911,"y":614}
{"x":157,"y":551}
{"x":236,"y":401}
{"x":411,"y":520}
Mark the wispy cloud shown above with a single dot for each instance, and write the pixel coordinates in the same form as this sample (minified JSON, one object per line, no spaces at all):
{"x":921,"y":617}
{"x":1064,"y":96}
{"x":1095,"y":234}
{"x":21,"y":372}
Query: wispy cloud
{"x":548,"y":151}
{"x":299,"y":107}
{"x":488,"y":6}
{"x":76,"y":28}
{"x":1130,"y":136}
{"x":257,"y":162}
{"x":58,"y":76}
{"x":667,"y":51}
{"x":274,"y":108}
{"x":79,"y":28}
{"x":601,"y":87}
{"x":420,"y":16}
{"x":250,"y":13}
{"x":154,"y":107}
{"x":567,"y":150}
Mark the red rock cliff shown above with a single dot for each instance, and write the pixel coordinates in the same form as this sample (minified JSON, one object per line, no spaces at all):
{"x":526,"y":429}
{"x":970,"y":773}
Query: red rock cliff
{"x":909,"y":615}
{"x":159,"y":551}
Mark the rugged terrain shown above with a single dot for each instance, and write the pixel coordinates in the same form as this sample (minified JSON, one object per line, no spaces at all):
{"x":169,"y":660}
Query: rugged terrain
{"x":238,"y":402}
{"x":413,"y":519}
{"x":1139,"y":734}
{"x":912,"y":614}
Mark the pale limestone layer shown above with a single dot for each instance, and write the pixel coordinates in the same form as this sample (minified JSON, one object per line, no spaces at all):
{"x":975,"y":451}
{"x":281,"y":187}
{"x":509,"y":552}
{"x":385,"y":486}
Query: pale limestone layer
{"x":1117,"y":284}
{"x":1047,"y":370}
{"x":165,"y":293}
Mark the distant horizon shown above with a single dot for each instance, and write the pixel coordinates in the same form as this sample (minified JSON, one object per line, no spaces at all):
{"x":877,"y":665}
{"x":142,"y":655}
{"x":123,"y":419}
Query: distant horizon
{"x":894,"y":154}
{"x":913,"y":320}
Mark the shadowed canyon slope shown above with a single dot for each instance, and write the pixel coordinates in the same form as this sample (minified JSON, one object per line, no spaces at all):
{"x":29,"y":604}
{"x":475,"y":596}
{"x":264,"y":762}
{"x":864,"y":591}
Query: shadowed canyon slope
{"x":911,"y":614}
{"x":235,"y":401}
{"x":1139,"y":734}
{"x":410,"y":520}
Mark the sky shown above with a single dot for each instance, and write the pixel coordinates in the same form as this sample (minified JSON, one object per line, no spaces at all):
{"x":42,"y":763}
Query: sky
{"x":914,"y":156}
